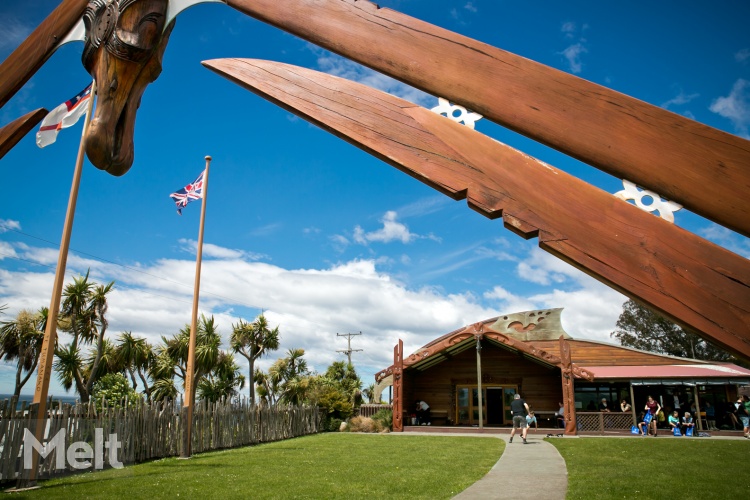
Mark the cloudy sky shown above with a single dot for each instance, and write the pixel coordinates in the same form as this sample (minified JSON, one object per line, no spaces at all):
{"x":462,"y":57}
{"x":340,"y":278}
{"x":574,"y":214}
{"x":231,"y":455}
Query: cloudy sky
{"x":322,"y":237}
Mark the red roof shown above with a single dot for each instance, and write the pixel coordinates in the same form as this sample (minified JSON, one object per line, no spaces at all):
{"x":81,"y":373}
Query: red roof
{"x":670,"y":371}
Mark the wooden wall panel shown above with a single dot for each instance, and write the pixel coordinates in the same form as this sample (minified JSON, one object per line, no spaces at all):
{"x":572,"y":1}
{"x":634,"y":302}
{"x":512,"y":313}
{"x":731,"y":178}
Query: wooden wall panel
{"x":540,"y":386}
{"x":593,"y":354}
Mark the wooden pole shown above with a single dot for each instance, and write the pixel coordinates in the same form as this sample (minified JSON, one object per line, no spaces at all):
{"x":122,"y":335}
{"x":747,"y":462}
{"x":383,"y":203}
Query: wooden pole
{"x":697,"y":409}
{"x":479,"y":381}
{"x":50,"y":335}
{"x":189,"y":380}
{"x":632,"y":404}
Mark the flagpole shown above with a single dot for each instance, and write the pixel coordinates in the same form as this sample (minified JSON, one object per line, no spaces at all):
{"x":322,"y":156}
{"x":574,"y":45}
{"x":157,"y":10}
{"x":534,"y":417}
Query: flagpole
{"x":187,"y":442}
{"x":50,"y":335}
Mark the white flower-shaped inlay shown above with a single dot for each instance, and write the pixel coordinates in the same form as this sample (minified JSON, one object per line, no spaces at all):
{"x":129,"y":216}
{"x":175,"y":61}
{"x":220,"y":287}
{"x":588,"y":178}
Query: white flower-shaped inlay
{"x":631,"y":192}
{"x":456,"y":113}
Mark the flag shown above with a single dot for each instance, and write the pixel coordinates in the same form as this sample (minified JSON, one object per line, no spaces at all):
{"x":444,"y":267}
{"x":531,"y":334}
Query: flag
{"x":189,"y":193}
{"x":63,"y":116}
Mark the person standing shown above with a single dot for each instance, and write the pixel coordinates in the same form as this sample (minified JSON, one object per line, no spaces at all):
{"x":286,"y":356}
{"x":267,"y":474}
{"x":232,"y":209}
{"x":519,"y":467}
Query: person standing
{"x":519,"y":408}
{"x":653,"y":408}
{"x":423,"y":413}
{"x":743,"y":414}
{"x":560,"y":416}
{"x":625,"y":406}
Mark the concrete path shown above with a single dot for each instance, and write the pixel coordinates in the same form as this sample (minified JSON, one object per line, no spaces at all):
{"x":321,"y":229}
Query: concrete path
{"x":533,"y":470}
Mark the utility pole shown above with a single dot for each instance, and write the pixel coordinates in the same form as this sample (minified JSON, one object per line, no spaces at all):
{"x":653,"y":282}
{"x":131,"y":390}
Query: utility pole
{"x":348,"y":351}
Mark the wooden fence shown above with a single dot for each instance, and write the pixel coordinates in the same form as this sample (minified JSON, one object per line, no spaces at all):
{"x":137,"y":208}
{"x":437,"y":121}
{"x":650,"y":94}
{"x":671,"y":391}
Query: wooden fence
{"x":368,"y":410}
{"x":602,"y":422}
{"x":145,"y":431}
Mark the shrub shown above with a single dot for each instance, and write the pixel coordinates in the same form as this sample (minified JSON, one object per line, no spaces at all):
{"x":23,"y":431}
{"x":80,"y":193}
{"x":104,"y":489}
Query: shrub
{"x":115,"y":389}
{"x":364,"y":424}
{"x":385,"y":418}
{"x":333,"y":424}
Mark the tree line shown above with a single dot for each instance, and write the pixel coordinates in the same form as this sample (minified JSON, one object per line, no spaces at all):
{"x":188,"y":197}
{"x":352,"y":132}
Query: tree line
{"x":95,"y":366}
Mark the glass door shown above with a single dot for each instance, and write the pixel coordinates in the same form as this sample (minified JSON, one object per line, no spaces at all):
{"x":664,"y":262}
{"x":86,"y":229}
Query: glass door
{"x":467,"y":408}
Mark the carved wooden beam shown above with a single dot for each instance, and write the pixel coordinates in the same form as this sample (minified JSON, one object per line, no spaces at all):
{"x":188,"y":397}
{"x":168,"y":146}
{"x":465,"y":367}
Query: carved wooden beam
{"x":700,"y":167}
{"x":568,"y":388}
{"x":694,"y":282}
{"x":18,"y":128}
{"x":33,"y":52}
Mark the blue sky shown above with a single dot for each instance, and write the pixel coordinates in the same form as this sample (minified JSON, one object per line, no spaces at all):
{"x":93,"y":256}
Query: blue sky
{"x":323,"y":237}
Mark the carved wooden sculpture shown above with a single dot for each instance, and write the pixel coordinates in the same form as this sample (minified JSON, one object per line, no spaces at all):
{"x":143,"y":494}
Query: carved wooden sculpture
{"x":125,"y":42}
{"x":698,"y":284}
{"x":699,"y":167}
{"x":704,"y":169}
{"x":15,"y":130}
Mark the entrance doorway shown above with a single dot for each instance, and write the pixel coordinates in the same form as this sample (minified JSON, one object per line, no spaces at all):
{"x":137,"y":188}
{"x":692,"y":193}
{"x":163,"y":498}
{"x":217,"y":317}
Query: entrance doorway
{"x":495,"y":404}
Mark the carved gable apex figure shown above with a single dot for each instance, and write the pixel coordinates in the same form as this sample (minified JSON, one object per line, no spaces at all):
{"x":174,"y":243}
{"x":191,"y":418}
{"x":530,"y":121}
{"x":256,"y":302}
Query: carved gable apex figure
{"x":123,"y":49}
{"x":539,"y":324}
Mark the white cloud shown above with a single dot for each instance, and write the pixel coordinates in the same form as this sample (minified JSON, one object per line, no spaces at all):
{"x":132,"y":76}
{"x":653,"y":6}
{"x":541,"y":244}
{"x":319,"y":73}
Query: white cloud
{"x":569,"y":29}
{"x":544,"y":269}
{"x":13,"y":33}
{"x":573,"y":55}
{"x":742,"y":56}
{"x":344,"y":68}
{"x":727,"y":239}
{"x":736,"y":107}
{"x":211,"y":250}
{"x":312,"y":305}
{"x":679,"y":100}
{"x":471,"y":7}
{"x":9,"y":225}
{"x":392,"y":230}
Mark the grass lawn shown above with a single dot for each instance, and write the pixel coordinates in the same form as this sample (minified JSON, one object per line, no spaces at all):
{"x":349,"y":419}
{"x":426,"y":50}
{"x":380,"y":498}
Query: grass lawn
{"x":666,"y":467}
{"x":332,"y":465}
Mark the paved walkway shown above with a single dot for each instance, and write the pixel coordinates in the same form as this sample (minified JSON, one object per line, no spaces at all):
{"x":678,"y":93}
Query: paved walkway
{"x":535,"y":469}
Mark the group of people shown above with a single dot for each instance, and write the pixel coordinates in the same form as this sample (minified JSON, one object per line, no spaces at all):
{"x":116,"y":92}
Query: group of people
{"x":681,"y":426}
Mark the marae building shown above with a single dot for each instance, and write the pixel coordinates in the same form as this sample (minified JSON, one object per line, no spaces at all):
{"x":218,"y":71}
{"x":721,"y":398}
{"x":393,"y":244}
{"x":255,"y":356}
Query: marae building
{"x":469,"y":377}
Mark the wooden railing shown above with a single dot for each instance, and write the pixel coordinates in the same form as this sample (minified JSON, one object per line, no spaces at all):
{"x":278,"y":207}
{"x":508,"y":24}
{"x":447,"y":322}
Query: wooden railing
{"x":602,"y":422}
{"x":369,"y":410}
{"x":146,"y":431}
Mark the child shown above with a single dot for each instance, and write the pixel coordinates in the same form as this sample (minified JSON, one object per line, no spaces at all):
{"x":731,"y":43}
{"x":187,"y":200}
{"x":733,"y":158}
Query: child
{"x":531,"y":419}
{"x":674,"y":421}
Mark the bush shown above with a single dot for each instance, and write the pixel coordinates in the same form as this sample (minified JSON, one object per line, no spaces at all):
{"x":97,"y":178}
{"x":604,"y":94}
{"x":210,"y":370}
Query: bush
{"x":333,"y":424}
{"x":364,"y":424}
{"x":385,"y":418}
{"x":115,"y":389}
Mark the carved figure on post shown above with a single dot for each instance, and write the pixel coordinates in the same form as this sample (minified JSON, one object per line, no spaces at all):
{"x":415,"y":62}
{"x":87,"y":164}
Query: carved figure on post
{"x":124,"y":45}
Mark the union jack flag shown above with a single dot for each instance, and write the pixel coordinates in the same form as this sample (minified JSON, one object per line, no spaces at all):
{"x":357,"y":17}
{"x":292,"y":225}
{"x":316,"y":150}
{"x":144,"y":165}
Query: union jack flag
{"x":189,"y":193}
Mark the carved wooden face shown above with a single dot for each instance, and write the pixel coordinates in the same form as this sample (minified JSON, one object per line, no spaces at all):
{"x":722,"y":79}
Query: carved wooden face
{"x":125,"y":42}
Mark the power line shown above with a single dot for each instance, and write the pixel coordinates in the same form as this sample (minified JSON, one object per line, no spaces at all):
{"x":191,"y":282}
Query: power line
{"x":348,"y":351}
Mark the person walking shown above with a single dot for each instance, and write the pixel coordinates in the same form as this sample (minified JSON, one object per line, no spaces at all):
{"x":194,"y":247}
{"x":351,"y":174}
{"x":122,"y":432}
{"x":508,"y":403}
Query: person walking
{"x":652,"y":408}
{"x":519,"y":408}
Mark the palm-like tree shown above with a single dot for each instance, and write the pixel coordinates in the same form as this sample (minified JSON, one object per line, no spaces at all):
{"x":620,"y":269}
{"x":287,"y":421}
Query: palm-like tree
{"x":21,"y":341}
{"x":171,"y":357}
{"x":223,"y":381}
{"x":97,"y":308}
{"x":83,"y":315}
{"x":252,"y":341}
{"x":135,"y":355}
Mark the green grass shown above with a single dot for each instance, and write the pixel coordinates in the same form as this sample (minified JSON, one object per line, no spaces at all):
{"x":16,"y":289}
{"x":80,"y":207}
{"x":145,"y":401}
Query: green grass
{"x":333,"y":465}
{"x":666,"y":467}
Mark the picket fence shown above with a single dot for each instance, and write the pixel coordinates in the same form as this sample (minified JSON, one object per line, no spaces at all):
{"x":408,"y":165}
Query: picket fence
{"x":147,"y":431}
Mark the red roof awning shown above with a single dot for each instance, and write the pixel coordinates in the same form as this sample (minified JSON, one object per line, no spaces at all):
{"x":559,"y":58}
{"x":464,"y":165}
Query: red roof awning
{"x":670,"y":371}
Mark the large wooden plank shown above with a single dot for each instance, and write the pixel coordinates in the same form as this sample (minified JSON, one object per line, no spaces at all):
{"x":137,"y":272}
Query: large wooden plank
{"x":702,"y":168}
{"x":18,"y":128}
{"x":33,"y":52}
{"x":696,"y":283}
